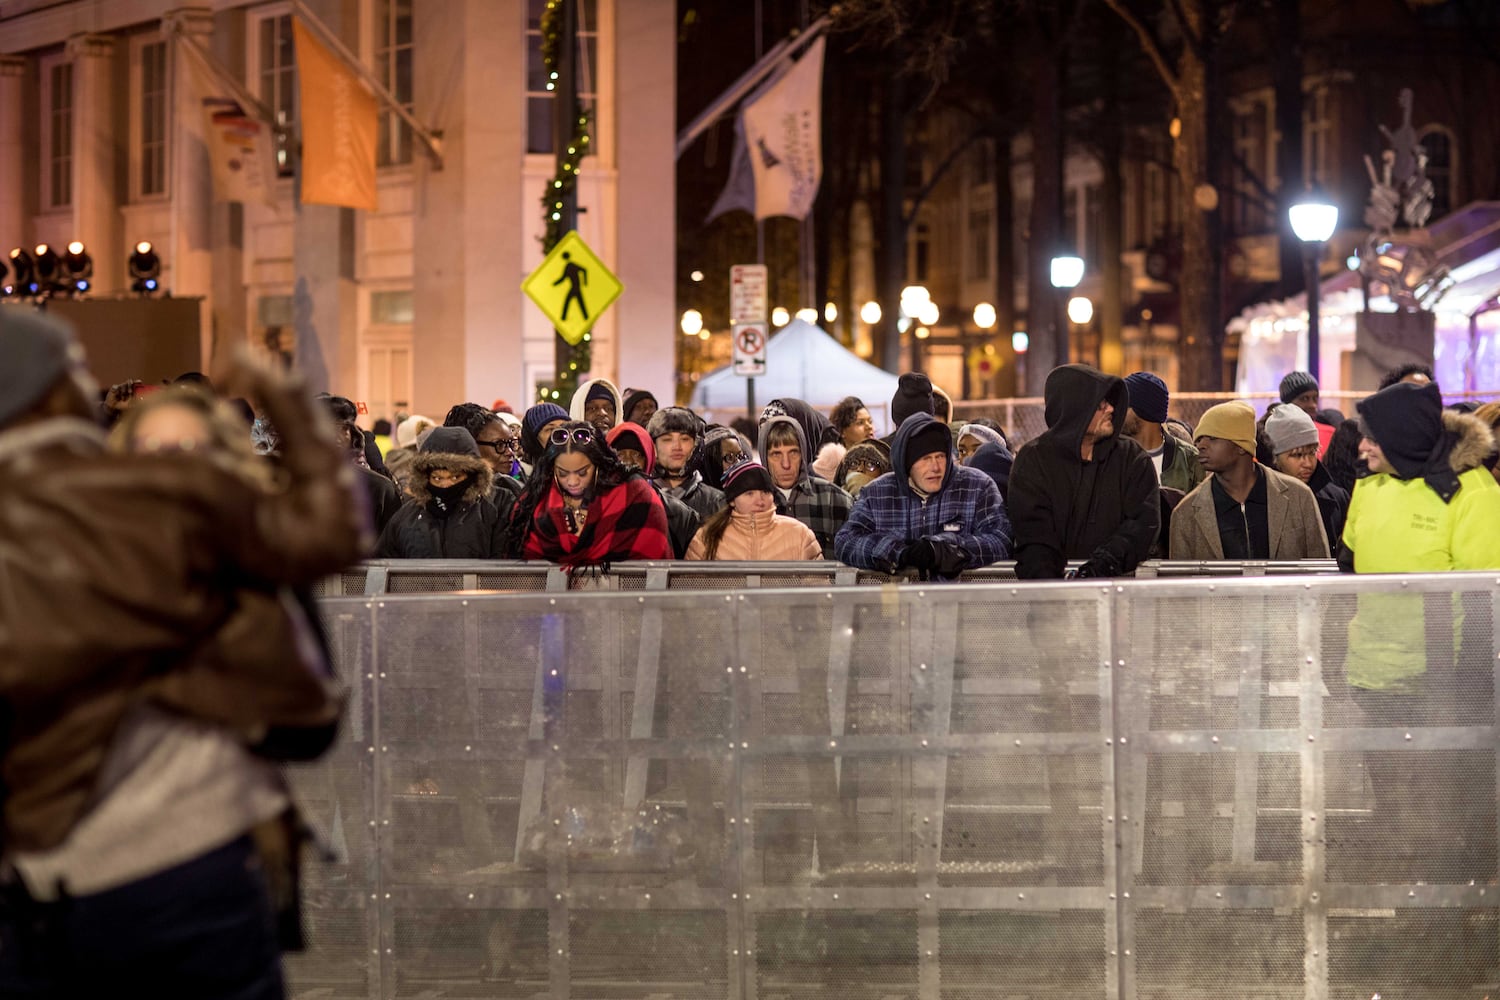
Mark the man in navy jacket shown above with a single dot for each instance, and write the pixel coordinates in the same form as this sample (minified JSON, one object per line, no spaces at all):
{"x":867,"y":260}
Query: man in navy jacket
{"x":928,"y":513}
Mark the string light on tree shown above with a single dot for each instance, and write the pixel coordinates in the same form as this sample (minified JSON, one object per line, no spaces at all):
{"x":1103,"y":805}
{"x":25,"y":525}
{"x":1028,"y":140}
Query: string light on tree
{"x":563,"y":184}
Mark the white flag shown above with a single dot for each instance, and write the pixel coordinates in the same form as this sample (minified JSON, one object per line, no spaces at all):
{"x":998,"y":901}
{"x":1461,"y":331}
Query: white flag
{"x":782,"y":132}
{"x":241,"y":153}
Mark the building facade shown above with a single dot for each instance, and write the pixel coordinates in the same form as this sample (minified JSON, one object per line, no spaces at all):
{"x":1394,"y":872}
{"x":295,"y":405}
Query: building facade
{"x":411,"y":307}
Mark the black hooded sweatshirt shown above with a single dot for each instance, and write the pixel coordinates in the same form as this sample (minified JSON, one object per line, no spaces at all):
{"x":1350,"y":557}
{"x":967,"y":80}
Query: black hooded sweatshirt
{"x":1105,"y":511}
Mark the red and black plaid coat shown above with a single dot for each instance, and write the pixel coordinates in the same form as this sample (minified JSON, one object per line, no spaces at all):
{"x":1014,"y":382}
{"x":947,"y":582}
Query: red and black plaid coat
{"x":624,"y":522}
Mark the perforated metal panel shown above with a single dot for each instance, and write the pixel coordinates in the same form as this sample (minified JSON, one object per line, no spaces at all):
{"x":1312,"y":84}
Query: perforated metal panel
{"x":962,"y":791}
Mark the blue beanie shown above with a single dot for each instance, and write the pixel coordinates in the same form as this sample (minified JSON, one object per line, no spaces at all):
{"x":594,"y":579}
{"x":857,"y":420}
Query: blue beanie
{"x":1148,"y":396}
{"x":541,"y":415}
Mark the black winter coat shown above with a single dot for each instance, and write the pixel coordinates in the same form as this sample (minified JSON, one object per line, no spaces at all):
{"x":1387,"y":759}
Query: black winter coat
{"x":473,"y":530}
{"x":1333,"y":505}
{"x":1105,"y":511}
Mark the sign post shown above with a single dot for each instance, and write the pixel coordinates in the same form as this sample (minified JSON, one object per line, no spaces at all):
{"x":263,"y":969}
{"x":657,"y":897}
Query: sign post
{"x":748,"y":285}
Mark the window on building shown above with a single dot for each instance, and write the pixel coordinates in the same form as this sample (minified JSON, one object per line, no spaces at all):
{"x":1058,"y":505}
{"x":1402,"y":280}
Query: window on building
{"x":1438,"y":143}
{"x":538,"y":98}
{"x":1317,"y":134}
{"x":921,"y":253}
{"x":979,"y":244}
{"x":153,"y":151}
{"x":278,"y":82}
{"x":388,"y":308}
{"x":1253,"y":167}
{"x":1158,"y":202}
{"x":60,"y":135}
{"x":393,"y":53}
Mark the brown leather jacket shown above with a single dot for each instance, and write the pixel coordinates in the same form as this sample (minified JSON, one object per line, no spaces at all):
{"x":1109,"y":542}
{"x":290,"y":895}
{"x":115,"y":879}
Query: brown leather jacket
{"x":126,"y":577}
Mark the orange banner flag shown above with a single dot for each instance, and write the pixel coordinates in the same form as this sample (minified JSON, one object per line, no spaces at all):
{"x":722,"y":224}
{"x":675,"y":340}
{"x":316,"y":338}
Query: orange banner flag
{"x":339,"y":125}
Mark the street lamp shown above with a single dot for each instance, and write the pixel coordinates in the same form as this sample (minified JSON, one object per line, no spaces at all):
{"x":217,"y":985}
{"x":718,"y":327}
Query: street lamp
{"x":870,"y":312}
{"x":1313,"y":220}
{"x":985,"y":316}
{"x":692,"y":322}
{"x":1067,"y":271}
{"x":1080,"y":310}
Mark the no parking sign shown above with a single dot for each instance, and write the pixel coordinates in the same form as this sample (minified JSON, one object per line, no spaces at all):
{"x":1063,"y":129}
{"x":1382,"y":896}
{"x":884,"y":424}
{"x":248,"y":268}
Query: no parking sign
{"x":749,"y":348}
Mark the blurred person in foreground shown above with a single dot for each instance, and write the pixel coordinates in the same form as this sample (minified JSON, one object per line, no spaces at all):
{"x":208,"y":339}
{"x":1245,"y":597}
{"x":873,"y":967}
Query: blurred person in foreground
{"x":153,"y":665}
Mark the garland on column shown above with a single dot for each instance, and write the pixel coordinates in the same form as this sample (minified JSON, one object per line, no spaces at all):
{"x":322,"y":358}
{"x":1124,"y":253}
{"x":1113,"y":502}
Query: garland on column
{"x":563,"y":183}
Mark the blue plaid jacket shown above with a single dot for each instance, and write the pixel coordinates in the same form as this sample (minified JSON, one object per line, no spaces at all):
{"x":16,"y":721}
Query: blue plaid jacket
{"x":889,"y":515}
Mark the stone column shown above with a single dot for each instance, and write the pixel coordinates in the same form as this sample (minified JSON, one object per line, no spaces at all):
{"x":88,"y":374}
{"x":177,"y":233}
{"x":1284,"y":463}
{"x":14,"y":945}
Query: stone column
{"x":189,"y":256}
{"x":96,"y":208}
{"x":15,"y":222}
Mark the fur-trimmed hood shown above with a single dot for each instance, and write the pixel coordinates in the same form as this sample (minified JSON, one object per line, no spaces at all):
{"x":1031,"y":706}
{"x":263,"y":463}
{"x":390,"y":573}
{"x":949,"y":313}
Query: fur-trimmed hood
{"x":1475,"y":440}
{"x":426,"y":461}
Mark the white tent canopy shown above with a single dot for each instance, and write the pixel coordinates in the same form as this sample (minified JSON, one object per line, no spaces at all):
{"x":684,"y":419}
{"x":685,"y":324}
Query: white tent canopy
{"x":802,"y":362}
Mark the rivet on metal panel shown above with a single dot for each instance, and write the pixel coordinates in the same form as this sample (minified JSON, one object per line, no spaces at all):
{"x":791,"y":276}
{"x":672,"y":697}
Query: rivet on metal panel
{"x":382,"y":604}
{"x":1127,"y":951}
{"x":736,"y":951}
{"x":1309,"y":659}
{"x":1314,"y":897}
{"x":387,"y":895}
{"x":385,"y":822}
{"x":926,"y":819}
{"x":1020,"y":895}
{"x":1123,"y":741}
{"x":833,"y":743}
{"x":835,"y":895}
{"x":1119,"y":663}
{"x":1018,"y":742}
{"x":372,"y":895}
{"x":747,"y":895}
{"x":471,"y":895}
{"x":732,"y":821}
{"x":1109,"y":819}
{"x":921,"y":666}
{"x":369,"y":677}
{"x":559,"y":951}
{"x":1211,"y":589}
{"x":374,"y":951}
{"x":556,"y":748}
{"x":554,"y":671}
{"x":924,"y":743}
{"x":926,"y":895}
{"x":1113,"y":953}
{"x":742,"y":597}
{"x":744,"y":746}
{"x":1408,"y":736}
{"x":1111,"y":895}
{"x":729,"y":599}
{"x":1307,"y":586}
{"x":921,"y":593}
{"x":369,"y":749}
{"x":1313,"y":817}
{"x":1311,"y":738}
{"x":468,"y":748}
{"x":372,"y":823}
{"x":1218,"y":895}
{"x":742,"y":669}
{"x":849,"y":631}
{"x":1013,"y":593}
{"x":1404,"y":584}
{"x":729,"y":670}
{"x":382,"y":675}
{"x":1127,"y":896}
{"x":640,"y":600}
{"x":369,"y":604}
{"x":1213,"y":739}
{"x":557,"y":822}
{"x":749,"y":952}
{"x":385,"y":749}
{"x":734,"y":895}
{"x":1411,"y":895}
{"x":1315,"y":953}
{"x":552,"y":601}
{"x":648,"y":895}
{"x":1109,"y":743}
{"x":929,"y":954}
{"x":464,"y":604}
{"x":558,"y":897}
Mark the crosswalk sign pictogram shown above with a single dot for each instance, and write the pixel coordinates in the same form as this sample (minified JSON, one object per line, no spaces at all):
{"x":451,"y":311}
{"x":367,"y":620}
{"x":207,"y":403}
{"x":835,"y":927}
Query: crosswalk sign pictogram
{"x":572,"y":287}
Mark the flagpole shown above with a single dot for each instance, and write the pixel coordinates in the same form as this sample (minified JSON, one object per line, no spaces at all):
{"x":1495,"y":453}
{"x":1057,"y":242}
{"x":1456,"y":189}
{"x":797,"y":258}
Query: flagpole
{"x":433,"y":142}
{"x":226,"y":79}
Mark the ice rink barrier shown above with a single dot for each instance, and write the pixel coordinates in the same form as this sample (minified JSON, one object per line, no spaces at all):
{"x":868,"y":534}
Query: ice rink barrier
{"x":1151,"y":788}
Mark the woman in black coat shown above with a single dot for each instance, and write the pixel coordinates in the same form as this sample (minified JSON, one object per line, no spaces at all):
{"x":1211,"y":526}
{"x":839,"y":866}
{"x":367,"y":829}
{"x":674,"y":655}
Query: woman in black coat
{"x":449,"y":514}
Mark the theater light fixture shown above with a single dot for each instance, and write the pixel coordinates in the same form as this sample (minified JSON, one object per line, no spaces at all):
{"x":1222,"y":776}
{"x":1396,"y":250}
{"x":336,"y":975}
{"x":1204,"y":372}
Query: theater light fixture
{"x":48,"y":268}
{"x":145,"y":269}
{"x":23,"y":270}
{"x":79,"y":268}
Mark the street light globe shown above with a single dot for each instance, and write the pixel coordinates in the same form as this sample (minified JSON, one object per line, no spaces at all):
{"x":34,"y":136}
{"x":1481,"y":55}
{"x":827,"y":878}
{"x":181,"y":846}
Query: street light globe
{"x":808,"y":315}
{"x":915,"y":294}
{"x":1314,"y":219}
{"x":830,"y":312}
{"x":780,"y":317}
{"x":696,"y":276}
{"x":1080,"y":309}
{"x":1067,"y":271}
{"x":984,"y":316}
{"x":870,"y":312}
{"x":692,"y":322}
{"x":927,"y":313}
{"x":1019,"y":341}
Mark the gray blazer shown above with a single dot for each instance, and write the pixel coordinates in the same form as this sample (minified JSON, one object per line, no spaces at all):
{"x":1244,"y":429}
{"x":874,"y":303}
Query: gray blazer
{"x":1295,"y":527}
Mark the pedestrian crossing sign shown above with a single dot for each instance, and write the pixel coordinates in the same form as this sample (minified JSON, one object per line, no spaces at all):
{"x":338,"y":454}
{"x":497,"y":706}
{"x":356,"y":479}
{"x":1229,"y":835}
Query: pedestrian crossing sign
{"x":572,"y":287}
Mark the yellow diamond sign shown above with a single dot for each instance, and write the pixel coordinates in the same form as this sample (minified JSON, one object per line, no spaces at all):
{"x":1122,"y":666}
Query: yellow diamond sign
{"x":572,"y":287}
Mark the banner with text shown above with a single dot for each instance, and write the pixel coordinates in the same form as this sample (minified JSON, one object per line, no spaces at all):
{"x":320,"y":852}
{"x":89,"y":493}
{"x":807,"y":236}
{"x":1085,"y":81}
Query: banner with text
{"x":339,"y":127}
{"x":782,"y":135}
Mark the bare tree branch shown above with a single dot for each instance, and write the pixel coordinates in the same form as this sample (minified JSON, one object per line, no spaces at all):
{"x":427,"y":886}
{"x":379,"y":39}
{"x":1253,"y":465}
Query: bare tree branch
{"x":1150,"y":44}
{"x":1196,"y":39}
{"x":937,"y":175}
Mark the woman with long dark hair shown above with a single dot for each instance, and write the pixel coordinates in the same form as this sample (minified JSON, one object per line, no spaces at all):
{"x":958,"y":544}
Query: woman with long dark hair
{"x":583,"y":507}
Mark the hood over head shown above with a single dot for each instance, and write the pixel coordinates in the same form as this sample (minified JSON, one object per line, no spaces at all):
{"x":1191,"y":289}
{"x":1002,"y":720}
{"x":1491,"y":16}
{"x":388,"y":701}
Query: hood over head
{"x":581,"y":398}
{"x":450,"y":448}
{"x":643,"y":442}
{"x":765,"y":432}
{"x":1073,"y":394}
{"x":1420,"y":439}
{"x":994,"y":461}
{"x":815,"y":426}
{"x":920,"y":434}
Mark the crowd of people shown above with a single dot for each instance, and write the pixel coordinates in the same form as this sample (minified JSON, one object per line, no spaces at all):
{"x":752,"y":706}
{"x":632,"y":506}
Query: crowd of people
{"x":1113,"y":481}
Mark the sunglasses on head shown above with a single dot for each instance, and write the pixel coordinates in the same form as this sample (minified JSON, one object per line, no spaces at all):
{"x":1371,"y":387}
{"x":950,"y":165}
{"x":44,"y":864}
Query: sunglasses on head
{"x":579,"y":435}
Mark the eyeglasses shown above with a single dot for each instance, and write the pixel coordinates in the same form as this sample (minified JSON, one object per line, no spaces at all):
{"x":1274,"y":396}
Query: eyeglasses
{"x":866,"y":467}
{"x":579,"y":435}
{"x":500,"y":445}
{"x":1302,"y":454}
{"x":732,"y":458}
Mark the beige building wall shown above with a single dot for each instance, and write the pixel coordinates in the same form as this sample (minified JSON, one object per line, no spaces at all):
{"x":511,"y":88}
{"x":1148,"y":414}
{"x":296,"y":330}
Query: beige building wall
{"x":414,"y":306}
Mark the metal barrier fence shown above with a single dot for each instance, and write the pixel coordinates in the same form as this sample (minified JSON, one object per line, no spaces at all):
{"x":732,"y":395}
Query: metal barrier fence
{"x":1133,"y":789}
{"x":435,"y":576}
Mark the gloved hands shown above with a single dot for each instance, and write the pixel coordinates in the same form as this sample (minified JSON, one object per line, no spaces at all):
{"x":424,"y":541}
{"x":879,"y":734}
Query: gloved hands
{"x":920,"y":555}
{"x":1101,"y":564}
{"x":933,"y":557}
